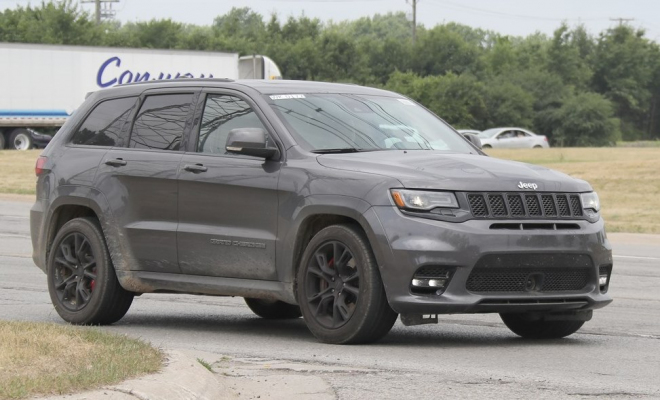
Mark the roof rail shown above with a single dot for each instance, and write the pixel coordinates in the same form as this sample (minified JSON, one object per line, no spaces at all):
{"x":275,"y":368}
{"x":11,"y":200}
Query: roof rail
{"x":182,"y":78}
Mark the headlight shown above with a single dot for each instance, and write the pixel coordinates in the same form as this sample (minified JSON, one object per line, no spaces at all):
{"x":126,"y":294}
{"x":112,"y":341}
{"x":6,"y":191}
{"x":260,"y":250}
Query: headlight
{"x":590,"y":200}
{"x":420,"y":200}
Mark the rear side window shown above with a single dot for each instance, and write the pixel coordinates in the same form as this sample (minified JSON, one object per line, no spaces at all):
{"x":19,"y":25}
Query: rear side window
{"x":104,"y":126}
{"x":223,"y":113}
{"x":161,"y":121}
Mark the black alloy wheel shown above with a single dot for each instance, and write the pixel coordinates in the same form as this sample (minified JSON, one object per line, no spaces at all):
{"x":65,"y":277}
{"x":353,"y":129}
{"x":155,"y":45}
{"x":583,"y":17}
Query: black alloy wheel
{"x":75,"y":271}
{"x":332,"y":284}
{"x":339,"y":288}
{"x":82,"y":281}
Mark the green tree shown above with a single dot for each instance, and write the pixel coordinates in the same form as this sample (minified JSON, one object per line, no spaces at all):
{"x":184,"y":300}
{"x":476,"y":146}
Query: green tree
{"x":623,"y":72}
{"x":586,"y":119}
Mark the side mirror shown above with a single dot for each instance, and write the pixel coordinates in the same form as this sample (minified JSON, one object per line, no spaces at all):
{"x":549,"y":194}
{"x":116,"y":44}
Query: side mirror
{"x":250,"y":142}
{"x":474,"y":139}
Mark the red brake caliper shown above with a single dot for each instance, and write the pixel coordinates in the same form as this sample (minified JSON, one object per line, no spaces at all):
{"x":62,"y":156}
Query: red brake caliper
{"x":93,"y":282}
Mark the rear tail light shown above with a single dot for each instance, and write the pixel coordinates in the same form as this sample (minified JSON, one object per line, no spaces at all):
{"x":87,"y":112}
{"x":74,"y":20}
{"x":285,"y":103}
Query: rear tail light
{"x":545,"y":138}
{"x":39,"y":167}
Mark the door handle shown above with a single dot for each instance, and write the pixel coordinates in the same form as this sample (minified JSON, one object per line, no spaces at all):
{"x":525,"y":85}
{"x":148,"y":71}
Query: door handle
{"x":118,"y":162}
{"x":196,"y":168}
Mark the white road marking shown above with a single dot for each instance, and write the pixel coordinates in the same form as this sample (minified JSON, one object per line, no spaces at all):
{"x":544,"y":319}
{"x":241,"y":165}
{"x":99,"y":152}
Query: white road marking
{"x":638,"y":257}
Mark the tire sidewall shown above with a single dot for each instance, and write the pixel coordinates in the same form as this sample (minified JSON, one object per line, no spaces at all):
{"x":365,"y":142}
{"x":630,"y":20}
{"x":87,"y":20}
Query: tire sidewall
{"x":103,"y":269}
{"x":23,"y":132}
{"x":367,"y":267}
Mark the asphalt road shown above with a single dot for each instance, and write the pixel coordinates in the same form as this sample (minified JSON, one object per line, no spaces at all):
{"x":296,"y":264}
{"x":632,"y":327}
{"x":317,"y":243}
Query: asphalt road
{"x":615,"y":355}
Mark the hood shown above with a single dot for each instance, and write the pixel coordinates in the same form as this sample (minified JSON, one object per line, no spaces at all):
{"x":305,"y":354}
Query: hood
{"x":425,"y":169}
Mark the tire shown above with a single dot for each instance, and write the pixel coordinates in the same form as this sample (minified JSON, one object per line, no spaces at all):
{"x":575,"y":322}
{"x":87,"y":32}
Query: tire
{"x":538,"y":147}
{"x":486,"y":146}
{"x":82,"y":282}
{"x":355,"y":310}
{"x":273,"y":309}
{"x":20,"y":139}
{"x":523,"y":326}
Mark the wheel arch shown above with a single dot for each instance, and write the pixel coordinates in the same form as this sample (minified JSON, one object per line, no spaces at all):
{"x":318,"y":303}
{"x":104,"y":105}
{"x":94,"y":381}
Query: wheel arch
{"x":81,"y":201}
{"x":315,"y":217}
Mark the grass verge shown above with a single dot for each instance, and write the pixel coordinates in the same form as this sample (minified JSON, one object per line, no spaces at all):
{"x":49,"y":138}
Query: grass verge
{"x":17,"y":171}
{"x":627,"y":180}
{"x":48,"y":359}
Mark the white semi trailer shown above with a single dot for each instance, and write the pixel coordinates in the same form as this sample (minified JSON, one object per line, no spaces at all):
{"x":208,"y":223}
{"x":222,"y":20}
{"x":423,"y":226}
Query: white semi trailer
{"x":42,"y":85}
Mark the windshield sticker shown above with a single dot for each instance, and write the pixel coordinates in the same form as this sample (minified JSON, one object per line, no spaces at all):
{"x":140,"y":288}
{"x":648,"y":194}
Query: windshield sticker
{"x":287,"y":96}
{"x":406,"y":102}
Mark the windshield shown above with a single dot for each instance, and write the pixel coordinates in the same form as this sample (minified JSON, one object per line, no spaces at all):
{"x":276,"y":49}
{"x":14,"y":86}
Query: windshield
{"x":489,"y":133}
{"x":335,"y":122}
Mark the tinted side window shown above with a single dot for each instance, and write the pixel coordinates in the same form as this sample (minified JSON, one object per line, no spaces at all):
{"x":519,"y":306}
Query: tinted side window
{"x":223,"y":113}
{"x":160,"y":122}
{"x":104,"y":125}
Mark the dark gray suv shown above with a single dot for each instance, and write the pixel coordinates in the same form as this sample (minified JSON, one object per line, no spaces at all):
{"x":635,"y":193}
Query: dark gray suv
{"x":344,"y":204}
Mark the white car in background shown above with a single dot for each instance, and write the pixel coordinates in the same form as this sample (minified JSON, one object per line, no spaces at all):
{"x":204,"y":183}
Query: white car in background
{"x":512,"y":138}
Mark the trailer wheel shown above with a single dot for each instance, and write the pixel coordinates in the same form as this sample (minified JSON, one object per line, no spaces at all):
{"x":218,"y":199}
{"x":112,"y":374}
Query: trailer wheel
{"x":20,"y":139}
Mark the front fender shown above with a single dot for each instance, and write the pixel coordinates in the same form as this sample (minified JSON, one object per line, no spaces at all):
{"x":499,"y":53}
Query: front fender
{"x":291,"y":223}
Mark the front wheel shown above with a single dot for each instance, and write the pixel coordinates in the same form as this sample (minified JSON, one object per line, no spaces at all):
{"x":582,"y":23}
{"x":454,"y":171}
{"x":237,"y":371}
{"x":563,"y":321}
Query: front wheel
{"x":273,"y":309}
{"x":82,"y":282}
{"x":529,"y":328}
{"x":340,"y":291}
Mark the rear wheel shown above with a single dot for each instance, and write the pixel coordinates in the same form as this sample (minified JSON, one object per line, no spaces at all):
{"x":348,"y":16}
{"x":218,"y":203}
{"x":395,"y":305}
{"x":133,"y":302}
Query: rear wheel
{"x":82,"y":282}
{"x":486,"y":146}
{"x":538,"y":147}
{"x":20,"y":139}
{"x":273,"y":309}
{"x":534,"y":328}
{"x":340,"y":291}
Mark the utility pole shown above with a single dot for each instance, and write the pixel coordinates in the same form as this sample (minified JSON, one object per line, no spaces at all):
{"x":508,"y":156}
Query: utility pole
{"x":622,"y":20}
{"x":414,"y":18}
{"x":102,"y":12}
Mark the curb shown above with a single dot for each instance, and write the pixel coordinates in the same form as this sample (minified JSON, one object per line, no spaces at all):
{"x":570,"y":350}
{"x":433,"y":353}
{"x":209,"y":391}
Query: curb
{"x":182,"y":377}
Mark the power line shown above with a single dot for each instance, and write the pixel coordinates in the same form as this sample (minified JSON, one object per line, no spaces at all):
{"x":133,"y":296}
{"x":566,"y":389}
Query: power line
{"x":507,"y":15}
{"x":622,"y":20}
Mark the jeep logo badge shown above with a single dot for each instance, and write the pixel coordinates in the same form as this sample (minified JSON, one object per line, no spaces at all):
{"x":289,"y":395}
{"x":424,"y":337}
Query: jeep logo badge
{"x":532,"y":186}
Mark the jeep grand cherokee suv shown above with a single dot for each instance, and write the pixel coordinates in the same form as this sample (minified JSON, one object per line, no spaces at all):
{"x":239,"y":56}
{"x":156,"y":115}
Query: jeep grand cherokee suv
{"x":346,"y":205}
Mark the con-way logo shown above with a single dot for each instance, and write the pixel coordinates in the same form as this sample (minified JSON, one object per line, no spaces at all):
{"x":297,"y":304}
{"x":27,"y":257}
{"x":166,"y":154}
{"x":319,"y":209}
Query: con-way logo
{"x":110,"y":73}
{"x":523,"y":185}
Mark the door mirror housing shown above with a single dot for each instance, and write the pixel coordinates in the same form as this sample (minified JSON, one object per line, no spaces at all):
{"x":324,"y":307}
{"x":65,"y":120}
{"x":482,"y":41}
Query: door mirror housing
{"x":474,"y":139}
{"x":250,"y":142}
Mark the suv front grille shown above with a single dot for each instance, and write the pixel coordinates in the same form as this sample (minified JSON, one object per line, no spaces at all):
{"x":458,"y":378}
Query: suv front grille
{"x":525,"y":205}
{"x":519,"y":273}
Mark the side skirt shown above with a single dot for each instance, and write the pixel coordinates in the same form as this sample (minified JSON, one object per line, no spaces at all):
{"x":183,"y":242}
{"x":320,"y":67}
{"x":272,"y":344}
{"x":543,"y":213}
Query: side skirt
{"x":158,"y":282}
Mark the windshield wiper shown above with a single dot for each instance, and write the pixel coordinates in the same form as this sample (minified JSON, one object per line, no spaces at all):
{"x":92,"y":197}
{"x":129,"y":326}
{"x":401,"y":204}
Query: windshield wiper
{"x":340,"y":150}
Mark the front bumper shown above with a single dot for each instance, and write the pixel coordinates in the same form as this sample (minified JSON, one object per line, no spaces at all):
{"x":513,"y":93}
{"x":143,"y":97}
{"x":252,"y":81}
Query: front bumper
{"x":408,"y":243}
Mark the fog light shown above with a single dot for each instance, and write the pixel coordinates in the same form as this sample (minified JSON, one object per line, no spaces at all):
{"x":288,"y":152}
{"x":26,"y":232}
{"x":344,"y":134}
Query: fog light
{"x":604,"y":273}
{"x":420,"y":282}
{"x":431,"y":279}
{"x":437,"y":282}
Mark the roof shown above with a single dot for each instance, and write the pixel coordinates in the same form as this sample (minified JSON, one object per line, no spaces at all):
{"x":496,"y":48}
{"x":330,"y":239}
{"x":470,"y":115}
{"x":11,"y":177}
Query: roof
{"x":262,"y":86}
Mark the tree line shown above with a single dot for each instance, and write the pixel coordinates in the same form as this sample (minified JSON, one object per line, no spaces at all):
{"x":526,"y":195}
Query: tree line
{"x":577,"y":88}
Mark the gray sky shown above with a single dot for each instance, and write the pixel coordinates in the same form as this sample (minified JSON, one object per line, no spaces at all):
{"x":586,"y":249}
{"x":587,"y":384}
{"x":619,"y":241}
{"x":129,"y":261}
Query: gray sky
{"x":514,"y":17}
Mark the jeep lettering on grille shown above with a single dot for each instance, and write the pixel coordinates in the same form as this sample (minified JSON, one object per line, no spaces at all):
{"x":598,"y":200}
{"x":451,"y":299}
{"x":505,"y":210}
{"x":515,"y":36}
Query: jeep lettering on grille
{"x":523,"y":185}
